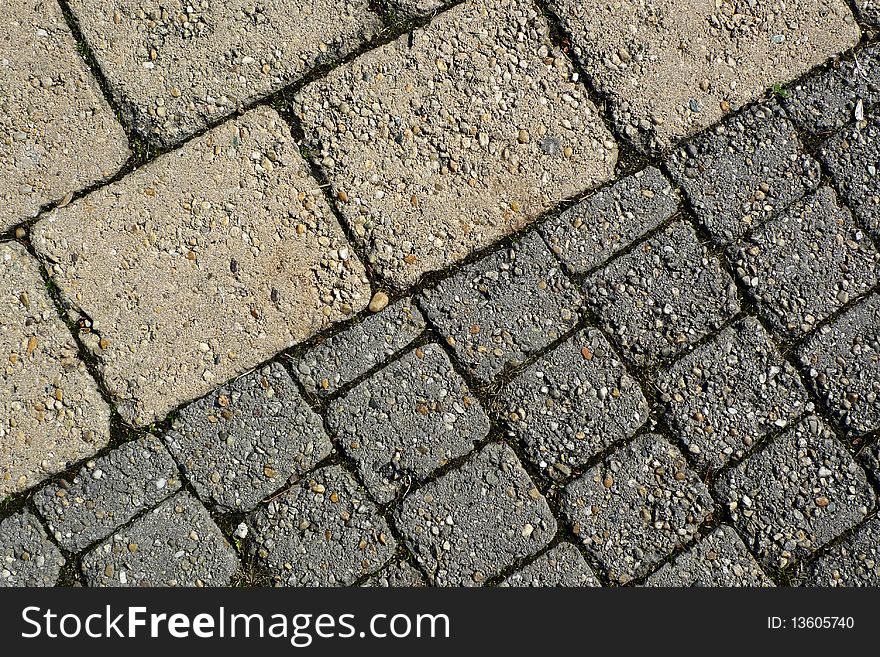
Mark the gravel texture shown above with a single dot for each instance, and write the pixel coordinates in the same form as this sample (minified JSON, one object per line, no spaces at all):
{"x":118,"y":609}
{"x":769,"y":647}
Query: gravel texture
{"x":51,"y":412}
{"x":453,"y":136}
{"x":417,"y":8}
{"x":573,"y":402}
{"x":397,"y":574}
{"x":563,"y":566}
{"x":806,"y":264}
{"x":175,"y":544}
{"x":406,"y":421}
{"x":587,"y":234}
{"x":855,"y":561}
{"x":663,"y":296}
{"x":27,"y":556}
{"x":744,"y":171}
{"x":245,"y":440}
{"x":232,"y":217}
{"x":869,"y":11}
{"x":108,"y":492}
{"x":729,"y":393}
{"x":473,"y":522}
{"x":481,"y":310}
{"x":870,"y":459}
{"x":322,"y":532}
{"x":797,"y":495}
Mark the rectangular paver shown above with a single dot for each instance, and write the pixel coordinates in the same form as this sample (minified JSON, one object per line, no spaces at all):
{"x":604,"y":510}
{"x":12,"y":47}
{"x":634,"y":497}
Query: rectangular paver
{"x":27,"y":556}
{"x":563,"y":566}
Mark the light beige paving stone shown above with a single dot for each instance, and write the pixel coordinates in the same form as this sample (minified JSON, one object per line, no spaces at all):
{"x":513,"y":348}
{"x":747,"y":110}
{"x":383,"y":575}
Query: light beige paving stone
{"x":51,"y":412}
{"x":175,"y":66}
{"x":673,"y":67}
{"x":447,"y":139}
{"x":202,"y":264}
{"x":57,"y":133}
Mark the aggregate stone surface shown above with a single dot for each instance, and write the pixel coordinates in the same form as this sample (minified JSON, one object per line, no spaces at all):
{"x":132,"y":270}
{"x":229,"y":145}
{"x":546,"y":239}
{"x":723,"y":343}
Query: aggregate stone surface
{"x":406,"y":421}
{"x":175,"y":544}
{"x":792,"y":498}
{"x":51,"y":411}
{"x":27,"y":556}
{"x":454,"y":136}
{"x":499,"y":310}
{"x":233,"y":218}
{"x":474,"y":521}
{"x":245,"y":440}
{"x":855,"y":561}
{"x":397,"y":574}
{"x":806,"y":264}
{"x":562,"y":566}
{"x":869,"y":10}
{"x":661,"y":297}
{"x":727,"y":394}
{"x":870,"y":459}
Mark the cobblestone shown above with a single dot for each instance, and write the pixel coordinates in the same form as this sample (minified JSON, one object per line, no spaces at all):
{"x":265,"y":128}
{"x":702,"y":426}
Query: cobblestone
{"x":563,"y":566}
{"x":855,"y":561}
{"x":397,"y":574}
{"x":27,"y":556}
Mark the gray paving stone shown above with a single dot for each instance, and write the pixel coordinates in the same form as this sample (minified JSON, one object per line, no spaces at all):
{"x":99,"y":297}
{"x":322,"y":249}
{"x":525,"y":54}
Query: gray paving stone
{"x":406,"y":421}
{"x":108,"y":492}
{"x":797,"y":495}
{"x":175,"y":544}
{"x":587,"y":234}
{"x":499,"y":310}
{"x":397,"y":574}
{"x":51,"y":411}
{"x":635,"y":508}
{"x":57,"y":133}
{"x":730,"y":392}
{"x":563,"y":566}
{"x":744,"y":171}
{"x":869,"y":11}
{"x":855,"y":561}
{"x":719,"y":559}
{"x":246,"y":439}
{"x":453,"y":136}
{"x":322,"y":532}
{"x":27,"y":556}
{"x":224,"y":253}
{"x":663,"y":296}
{"x":806,"y":263}
{"x":417,"y":8}
{"x":474,"y":521}
{"x":177,"y":67}
{"x":342,"y":358}
{"x":573,"y":402}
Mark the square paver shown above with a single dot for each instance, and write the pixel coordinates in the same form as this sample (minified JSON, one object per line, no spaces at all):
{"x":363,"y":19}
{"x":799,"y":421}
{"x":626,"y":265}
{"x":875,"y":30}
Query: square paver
{"x":397,"y":574}
{"x":573,"y":402}
{"x":639,"y":505}
{"x":673,"y":67}
{"x":499,"y":310}
{"x":51,"y":411}
{"x":453,"y":136}
{"x":729,"y":393}
{"x":563,"y":566}
{"x":245,"y":440}
{"x":57,"y":133}
{"x":474,"y":521}
{"x":663,"y":296}
{"x":27,"y":556}
{"x":806,"y":264}
{"x":797,"y":495}
{"x":223,"y":253}
{"x":855,"y":561}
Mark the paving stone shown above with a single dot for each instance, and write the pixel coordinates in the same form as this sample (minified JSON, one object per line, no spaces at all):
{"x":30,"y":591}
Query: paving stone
{"x":57,"y":133}
{"x":406,"y":421}
{"x":454,"y":136}
{"x":175,"y":544}
{"x":573,"y":402}
{"x":587,"y":234}
{"x":473,"y":522}
{"x":855,"y":561}
{"x":322,"y":532}
{"x":744,"y":171}
{"x":342,"y":358}
{"x":178,"y":67}
{"x":797,"y":495}
{"x":52,"y":411}
{"x":397,"y":574}
{"x":663,"y":296}
{"x":806,"y":263}
{"x":635,"y":508}
{"x":563,"y":566}
{"x":108,"y":492}
{"x":215,"y":220}
{"x":244,"y":441}
{"x":482,"y":312}
{"x":843,"y":359}
{"x":671,"y":68}
{"x":720,"y":559}
{"x":27,"y":556}
{"x":729,"y":393}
